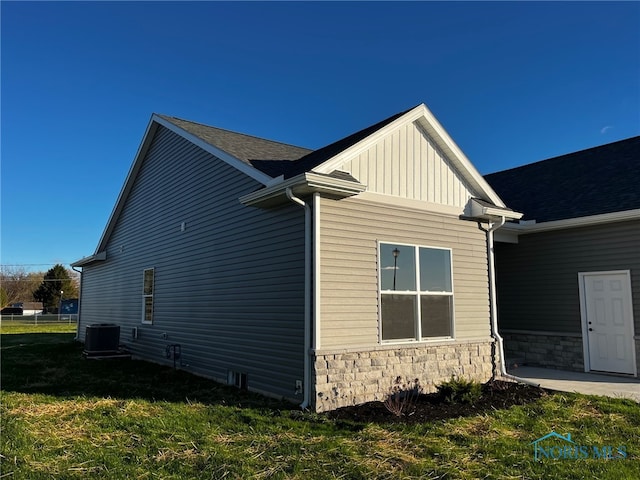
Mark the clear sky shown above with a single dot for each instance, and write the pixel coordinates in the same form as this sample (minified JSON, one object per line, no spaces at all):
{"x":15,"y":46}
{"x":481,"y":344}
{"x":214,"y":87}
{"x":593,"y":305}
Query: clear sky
{"x":512,"y":83}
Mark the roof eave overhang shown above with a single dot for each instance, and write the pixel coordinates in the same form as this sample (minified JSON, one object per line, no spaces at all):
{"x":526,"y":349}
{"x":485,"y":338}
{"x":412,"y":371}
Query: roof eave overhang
{"x":302,"y":185}
{"x":83,"y":262}
{"x":533,"y":227}
{"x":482,"y":211}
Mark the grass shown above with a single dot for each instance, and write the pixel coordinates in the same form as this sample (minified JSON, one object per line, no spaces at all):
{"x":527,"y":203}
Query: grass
{"x":9,"y":327}
{"x":66,"y":417}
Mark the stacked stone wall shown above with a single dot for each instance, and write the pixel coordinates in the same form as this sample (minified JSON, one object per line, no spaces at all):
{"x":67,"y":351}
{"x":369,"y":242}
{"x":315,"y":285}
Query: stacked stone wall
{"x":544,"y":350}
{"x":349,"y":377}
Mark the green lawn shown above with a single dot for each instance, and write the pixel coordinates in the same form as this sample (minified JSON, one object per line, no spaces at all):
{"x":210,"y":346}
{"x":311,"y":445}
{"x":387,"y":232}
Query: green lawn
{"x":67,"y":417}
{"x":19,"y":327}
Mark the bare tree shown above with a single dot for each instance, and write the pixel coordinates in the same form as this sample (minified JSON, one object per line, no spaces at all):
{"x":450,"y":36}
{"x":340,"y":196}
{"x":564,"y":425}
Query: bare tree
{"x":18,"y":285}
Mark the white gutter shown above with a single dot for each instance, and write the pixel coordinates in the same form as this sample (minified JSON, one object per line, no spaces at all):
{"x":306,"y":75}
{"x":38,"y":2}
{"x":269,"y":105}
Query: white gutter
{"x":494,"y":304}
{"x":96,"y":257}
{"x":307,"y":296}
{"x":534,"y":227}
{"x":308,"y":182}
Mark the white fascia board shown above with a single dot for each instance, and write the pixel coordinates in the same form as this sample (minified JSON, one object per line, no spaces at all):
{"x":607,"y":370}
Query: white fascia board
{"x":428,"y":122}
{"x":338,"y":185}
{"x":522,"y":229}
{"x":336,"y":161}
{"x":488,"y":212}
{"x":236,"y":163}
{"x":305,"y":181}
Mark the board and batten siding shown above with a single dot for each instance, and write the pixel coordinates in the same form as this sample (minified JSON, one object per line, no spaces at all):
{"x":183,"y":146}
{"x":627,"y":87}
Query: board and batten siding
{"x":229,"y":285}
{"x":537,"y":278}
{"x":406,"y":163}
{"x":349,"y":236}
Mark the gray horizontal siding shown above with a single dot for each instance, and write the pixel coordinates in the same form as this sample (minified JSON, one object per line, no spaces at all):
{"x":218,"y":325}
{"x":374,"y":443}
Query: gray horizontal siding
{"x":350,"y":230}
{"x":229,"y":289}
{"x":537,"y":278}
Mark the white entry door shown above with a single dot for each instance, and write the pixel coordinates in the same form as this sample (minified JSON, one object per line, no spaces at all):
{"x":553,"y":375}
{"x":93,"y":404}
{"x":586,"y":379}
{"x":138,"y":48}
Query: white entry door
{"x":608,"y":321}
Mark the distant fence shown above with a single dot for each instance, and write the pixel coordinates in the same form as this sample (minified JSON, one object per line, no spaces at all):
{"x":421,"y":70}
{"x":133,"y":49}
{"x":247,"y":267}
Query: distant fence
{"x":37,"y":319}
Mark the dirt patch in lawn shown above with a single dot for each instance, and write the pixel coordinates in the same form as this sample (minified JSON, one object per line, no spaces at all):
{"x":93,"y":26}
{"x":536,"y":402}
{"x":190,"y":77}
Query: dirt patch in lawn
{"x":433,"y":406}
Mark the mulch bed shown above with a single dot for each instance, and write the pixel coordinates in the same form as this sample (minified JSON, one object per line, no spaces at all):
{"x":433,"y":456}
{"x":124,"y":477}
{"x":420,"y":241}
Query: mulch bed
{"x":496,"y":394}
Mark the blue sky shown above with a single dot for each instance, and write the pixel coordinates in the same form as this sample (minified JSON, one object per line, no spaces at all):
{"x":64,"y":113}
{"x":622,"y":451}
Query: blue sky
{"x":512,"y":83}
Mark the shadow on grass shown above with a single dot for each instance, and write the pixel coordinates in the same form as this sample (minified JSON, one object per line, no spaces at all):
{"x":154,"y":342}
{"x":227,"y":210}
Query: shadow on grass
{"x":53,"y":364}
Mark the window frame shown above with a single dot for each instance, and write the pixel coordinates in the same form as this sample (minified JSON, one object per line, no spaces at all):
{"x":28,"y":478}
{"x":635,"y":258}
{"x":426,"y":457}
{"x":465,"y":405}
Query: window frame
{"x":416,"y":294}
{"x":146,"y":295}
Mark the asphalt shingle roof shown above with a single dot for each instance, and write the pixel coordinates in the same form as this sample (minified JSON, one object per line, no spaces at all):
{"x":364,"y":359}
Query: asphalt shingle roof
{"x":599,"y":180}
{"x":274,"y":158}
{"x":323,"y":154}
{"x":247,"y":148}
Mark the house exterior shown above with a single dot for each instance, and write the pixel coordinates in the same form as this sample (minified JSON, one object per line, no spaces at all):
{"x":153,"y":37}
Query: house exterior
{"x":317,"y":276}
{"x":568,"y":273}
{"x":27,"y":308}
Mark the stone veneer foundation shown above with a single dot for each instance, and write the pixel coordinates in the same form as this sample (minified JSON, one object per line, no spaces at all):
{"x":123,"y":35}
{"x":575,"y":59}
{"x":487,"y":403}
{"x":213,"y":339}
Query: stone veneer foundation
{"x":562,"y":351}
{"x":350,"y":377}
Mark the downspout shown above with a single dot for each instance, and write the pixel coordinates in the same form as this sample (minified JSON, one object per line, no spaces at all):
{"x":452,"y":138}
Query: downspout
{"x":79,"y":303}
{"x":307,"y":296}
{"x":494,"y":304}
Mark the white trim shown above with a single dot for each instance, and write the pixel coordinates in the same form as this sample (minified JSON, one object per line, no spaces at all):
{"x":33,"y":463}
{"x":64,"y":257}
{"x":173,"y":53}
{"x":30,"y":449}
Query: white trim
{"x":524,"y":228}
{"x":427,"y":121}
{"x":304,"y":183}
{"x":393,"y":346}
{"x":379,"y":287}
{"x":317,"y":292}
{"x":145,"y":296}
{"x":236,"y":163}
{"x":417,"y":294}
{"x":583,"y":315}
{"x":421,"y":205}
{"x":337,"y":160}
{"x":97,"y":257}
{"x":306,"y":384}
{"x":505,"y":237}
{"x":440,"y":135}
{"x":486,"y":212}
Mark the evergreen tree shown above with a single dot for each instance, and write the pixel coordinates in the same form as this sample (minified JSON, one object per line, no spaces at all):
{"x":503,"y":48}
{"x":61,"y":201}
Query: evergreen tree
{"x":56,"y":280}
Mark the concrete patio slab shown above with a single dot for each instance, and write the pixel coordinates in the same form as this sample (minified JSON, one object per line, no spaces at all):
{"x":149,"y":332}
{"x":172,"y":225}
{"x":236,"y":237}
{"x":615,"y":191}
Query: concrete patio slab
{"x":588,"y":383}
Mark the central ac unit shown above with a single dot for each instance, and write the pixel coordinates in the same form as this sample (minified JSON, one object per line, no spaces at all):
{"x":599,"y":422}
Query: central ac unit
{"x":102,"y":338}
